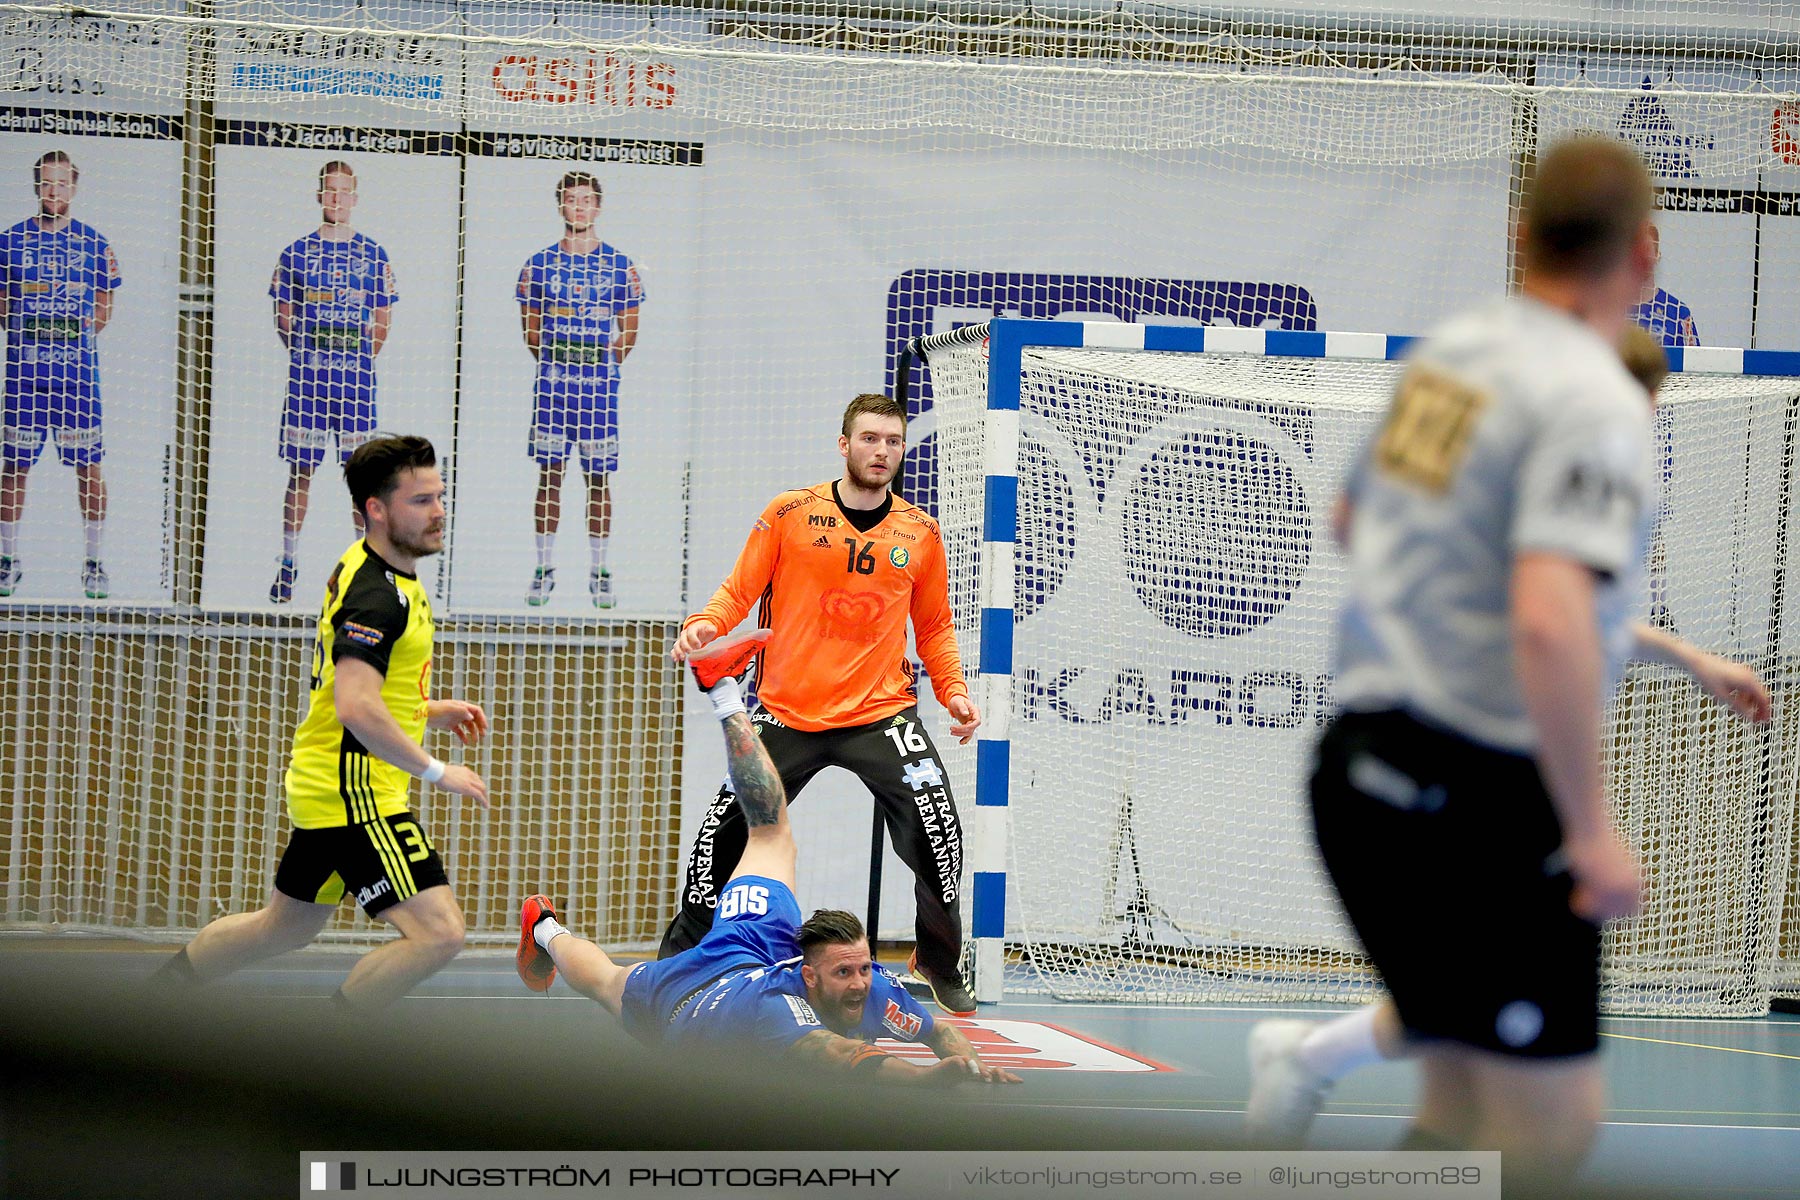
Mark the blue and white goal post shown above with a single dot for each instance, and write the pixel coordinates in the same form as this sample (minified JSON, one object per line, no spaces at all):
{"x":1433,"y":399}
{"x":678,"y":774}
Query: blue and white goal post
{"x":1137,"y":523}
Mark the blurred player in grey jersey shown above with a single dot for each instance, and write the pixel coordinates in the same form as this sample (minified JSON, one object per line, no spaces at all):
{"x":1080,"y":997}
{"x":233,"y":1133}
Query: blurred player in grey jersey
{"x":1496,"y":528}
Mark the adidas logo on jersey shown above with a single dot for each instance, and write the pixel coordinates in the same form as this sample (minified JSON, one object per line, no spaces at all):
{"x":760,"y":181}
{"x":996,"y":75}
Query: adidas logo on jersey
{"x":824,"y":543}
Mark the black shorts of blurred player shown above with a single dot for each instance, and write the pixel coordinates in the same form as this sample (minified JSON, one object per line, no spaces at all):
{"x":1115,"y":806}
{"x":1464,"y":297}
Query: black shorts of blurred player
{"x":378,"y":864}
{"x":1447,"y":856}
{"x":897,"y":761}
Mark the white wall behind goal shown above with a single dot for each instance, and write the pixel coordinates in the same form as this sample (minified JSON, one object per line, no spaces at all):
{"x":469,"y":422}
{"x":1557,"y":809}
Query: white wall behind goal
{"x":806,"y":234}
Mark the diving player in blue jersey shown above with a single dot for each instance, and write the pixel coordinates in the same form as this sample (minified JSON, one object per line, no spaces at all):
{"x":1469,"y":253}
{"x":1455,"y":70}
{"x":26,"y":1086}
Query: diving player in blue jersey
{"x":761,"y":981}
{"x":57,"y":279}
{"x":334,"y":295}
{"x":578,"y":306}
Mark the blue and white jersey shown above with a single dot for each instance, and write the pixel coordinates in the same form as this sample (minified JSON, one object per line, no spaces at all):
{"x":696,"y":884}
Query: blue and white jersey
{"x":52,"y":282}
{"x":741,"y":985}
{"x":578,"y":299}
{"x":333,"y":289}
{"x":767,"y":1007}
{"x":1667,"y":319}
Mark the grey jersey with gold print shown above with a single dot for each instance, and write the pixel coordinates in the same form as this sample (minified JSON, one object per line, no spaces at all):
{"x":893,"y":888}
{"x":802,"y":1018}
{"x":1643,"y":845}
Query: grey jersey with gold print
{"x":1513,"y":429}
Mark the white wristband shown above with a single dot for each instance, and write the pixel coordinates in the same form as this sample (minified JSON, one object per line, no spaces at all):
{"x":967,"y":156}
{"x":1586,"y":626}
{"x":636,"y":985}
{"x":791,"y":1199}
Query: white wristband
{"x":434,"y":771}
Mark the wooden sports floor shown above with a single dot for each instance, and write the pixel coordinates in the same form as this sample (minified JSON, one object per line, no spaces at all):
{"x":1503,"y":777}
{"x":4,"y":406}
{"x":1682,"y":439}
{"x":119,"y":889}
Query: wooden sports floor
{"x":1703,"y":1107}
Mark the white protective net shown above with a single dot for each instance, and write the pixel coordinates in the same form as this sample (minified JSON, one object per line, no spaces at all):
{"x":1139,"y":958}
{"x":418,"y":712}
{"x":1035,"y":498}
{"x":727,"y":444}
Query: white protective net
{"x":803,"y":188}
{"x":1176,"y":587}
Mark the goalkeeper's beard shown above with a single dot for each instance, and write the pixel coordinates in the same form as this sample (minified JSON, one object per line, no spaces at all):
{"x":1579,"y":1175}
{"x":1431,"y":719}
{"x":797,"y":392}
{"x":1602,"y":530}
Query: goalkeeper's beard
{"x":868,"y":482}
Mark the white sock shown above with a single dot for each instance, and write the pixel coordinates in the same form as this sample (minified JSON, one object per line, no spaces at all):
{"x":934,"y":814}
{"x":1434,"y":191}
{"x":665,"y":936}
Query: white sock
{"x":546,"y":930}
{"x":597,"y":551}
{"x":9,"y":539}
{"x":1338,"y":1047}
{"x":546,"y":550}
{"x":727,"y":698}
{"x":290,"y":543}
{"x":90,"y":532}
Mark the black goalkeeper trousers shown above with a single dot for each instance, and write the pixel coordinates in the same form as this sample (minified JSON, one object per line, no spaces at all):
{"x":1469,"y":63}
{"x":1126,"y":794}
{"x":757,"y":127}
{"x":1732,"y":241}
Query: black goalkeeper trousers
{"x":896,"y":759}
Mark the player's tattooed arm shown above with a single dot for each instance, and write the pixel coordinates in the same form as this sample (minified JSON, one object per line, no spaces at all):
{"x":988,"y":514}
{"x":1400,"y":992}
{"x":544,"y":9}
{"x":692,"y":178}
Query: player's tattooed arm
{"x":825,"y":1050}
{"x":753,"y":776}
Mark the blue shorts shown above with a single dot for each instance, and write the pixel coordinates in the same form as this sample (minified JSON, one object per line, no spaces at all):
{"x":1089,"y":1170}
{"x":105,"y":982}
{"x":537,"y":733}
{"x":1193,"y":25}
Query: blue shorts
{"x":578,"y":409}
{"x":760,"y":930}
{"x":30,"y":417}
{"x":311,"y":423}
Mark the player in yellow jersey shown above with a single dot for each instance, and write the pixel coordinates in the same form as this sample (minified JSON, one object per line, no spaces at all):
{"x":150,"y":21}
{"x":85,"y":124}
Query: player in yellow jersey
{"x":356,"y":752}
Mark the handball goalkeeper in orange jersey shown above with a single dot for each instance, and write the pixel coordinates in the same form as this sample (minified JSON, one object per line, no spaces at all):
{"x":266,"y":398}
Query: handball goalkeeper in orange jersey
{"x":836,"y":570}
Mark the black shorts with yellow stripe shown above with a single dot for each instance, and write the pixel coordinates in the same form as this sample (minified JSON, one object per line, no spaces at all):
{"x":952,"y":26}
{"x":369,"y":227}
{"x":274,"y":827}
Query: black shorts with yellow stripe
{"x":378,"y":863}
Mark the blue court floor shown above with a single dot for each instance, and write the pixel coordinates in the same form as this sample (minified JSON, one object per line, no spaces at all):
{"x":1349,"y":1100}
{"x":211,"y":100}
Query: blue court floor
{"x":1696,"y":1106}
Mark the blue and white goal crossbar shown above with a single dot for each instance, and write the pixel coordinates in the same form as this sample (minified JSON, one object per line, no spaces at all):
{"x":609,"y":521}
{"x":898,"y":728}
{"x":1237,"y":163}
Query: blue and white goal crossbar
{"x":1007,"y":340}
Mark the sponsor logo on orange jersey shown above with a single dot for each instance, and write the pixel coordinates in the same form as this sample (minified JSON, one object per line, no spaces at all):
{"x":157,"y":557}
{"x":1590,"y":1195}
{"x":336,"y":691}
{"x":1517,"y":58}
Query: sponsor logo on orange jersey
{"x":847,"y":616}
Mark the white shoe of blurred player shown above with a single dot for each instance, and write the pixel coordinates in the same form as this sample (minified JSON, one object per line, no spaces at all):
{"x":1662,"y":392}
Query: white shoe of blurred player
{"x":600,"y":587}
{"x":1285,"y":1096}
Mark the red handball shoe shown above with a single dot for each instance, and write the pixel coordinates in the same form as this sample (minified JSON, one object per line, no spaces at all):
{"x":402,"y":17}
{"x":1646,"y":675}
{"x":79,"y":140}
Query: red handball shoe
{"x":536,"y":967}
{"x":726,"y":656}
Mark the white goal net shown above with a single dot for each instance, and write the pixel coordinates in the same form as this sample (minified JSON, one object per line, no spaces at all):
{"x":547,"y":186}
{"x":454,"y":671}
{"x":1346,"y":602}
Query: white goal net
{"x":1175,"y":591}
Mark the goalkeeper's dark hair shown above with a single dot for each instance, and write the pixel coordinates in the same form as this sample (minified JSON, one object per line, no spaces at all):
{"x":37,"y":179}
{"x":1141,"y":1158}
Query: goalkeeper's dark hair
{"x":373,"y":469}
{"x":830,"y":927}
{"x":1584,"y":206}
{"x":873,"y":404}
{"x":578,"y":179}
{"x":1644,"y":356}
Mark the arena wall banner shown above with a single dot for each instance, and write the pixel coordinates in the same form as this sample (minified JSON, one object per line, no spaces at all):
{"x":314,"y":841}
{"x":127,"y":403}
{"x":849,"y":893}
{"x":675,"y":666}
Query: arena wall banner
{"x":116,"y":427}
{"x":537,"y":114}
{"x":650,"y":215}
{"x":278,"y":412}
{"x":269,"y":68}
{"x":290,"y":101}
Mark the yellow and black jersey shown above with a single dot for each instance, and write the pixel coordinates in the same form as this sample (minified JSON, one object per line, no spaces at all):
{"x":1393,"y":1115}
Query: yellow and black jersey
{"x":381,"y":616}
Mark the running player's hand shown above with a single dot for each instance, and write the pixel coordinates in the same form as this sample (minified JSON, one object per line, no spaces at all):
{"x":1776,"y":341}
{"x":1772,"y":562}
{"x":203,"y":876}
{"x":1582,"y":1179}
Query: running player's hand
{"x":965,"y":718}
{"x":691,"y":639}
{"x":464,"y":782}
{"x":465,"y":720}
{"x":1735,"y":686}
{"x":1606,"y":878}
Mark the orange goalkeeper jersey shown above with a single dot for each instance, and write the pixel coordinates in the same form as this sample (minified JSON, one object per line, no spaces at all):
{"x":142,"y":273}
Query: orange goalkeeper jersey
{"x":838,"y":601}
